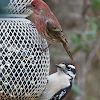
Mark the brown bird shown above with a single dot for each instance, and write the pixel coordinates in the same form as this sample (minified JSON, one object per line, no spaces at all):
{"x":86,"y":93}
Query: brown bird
{"x":47,"y":25}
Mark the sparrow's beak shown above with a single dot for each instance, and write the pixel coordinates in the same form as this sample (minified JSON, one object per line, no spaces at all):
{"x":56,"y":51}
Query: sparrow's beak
{"x":28,"y":6}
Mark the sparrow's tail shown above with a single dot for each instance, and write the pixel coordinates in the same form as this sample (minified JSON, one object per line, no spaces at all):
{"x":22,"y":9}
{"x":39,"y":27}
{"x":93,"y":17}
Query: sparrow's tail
{"x":67,"y":50}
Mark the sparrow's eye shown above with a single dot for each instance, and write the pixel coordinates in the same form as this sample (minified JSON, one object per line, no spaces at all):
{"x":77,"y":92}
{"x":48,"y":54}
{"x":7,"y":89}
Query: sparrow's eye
{"x":34,"y":5}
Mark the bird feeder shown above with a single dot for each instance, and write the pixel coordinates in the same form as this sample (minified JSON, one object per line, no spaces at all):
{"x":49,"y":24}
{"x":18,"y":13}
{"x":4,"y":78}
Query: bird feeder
{"x":23,"y":68}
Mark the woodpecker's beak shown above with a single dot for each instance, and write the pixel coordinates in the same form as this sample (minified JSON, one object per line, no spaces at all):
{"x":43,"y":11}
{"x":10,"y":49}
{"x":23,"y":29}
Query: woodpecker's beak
{"x":58,"y":66}
{"x":29,"y":6}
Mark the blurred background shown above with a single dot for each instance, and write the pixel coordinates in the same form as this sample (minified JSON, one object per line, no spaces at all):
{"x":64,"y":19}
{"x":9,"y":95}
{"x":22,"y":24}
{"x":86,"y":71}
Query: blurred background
{"x":80,"y":22}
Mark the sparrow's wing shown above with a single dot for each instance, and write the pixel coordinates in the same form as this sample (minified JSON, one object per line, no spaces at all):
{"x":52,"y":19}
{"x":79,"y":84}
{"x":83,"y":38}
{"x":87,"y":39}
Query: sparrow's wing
{"x":54,"y":30}
{"x":56,"y":34}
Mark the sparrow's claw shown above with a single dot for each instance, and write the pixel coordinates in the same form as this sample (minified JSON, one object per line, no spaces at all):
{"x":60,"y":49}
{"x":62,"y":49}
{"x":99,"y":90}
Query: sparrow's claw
{"x":43,"y":49}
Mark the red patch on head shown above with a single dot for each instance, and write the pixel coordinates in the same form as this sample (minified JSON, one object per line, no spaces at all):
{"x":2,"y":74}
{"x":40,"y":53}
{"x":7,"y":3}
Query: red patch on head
{"x":40,"y":3}
{"x":35,"y":2}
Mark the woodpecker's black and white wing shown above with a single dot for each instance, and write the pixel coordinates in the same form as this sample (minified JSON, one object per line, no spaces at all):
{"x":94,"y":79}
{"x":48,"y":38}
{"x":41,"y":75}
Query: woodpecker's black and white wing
{"x":59,"y":83}
{"x":62,"y":93}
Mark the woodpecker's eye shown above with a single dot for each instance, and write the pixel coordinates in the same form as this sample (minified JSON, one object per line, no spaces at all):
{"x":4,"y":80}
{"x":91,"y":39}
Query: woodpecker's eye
{"x":34,"y":5}
{"x":69,"y":68}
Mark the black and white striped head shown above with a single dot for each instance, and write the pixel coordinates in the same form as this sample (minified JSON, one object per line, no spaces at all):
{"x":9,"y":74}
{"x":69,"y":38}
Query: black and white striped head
{"x":68,"y":69}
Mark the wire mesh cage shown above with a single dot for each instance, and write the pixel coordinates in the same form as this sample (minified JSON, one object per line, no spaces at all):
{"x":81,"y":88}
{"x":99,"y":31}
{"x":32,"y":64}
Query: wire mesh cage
{"x":23,"y":69}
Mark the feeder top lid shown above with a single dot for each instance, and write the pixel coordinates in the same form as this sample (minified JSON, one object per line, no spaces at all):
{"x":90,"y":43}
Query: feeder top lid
{"x":14,"y":8}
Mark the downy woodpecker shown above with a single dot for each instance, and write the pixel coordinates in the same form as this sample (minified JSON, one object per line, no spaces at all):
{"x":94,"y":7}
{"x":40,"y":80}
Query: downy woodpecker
{"x":59,"y":83}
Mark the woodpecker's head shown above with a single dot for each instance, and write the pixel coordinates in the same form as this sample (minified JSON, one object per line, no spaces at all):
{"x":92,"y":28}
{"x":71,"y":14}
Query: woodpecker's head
{"x":68,"y":69}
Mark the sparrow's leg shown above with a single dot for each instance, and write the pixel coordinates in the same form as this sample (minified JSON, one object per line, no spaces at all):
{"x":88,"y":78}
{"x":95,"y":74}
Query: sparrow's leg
{"x":44,"y":49}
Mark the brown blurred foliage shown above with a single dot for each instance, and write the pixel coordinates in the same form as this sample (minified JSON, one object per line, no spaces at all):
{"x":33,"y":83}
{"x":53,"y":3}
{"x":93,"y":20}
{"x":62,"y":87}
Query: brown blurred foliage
{"x":72,"y":15}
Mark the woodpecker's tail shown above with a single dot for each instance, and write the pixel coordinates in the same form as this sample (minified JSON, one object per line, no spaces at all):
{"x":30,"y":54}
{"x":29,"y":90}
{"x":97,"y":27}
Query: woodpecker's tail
{"x":67,"y":50}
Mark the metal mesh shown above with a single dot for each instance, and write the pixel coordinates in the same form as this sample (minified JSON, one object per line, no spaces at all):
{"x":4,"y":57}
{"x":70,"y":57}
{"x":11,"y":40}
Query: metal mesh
{"x":17,"y":7}
{"x":23,"y":69}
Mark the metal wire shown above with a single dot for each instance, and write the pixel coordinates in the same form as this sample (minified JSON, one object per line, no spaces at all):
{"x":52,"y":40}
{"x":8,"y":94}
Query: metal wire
{"x":23,"y":69}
